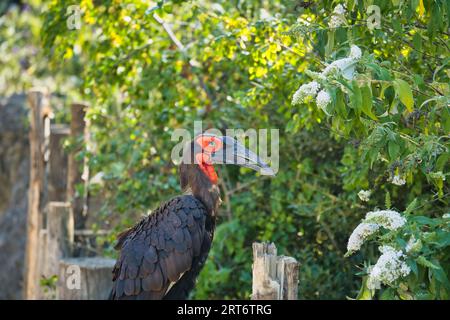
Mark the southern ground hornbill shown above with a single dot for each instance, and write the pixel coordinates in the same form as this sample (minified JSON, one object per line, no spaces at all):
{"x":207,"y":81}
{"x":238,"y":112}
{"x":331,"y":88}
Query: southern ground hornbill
{"x":161,"y":256}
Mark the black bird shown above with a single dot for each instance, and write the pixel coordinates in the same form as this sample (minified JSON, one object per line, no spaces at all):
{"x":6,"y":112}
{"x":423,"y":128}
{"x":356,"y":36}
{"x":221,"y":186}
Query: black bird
{"x":161,"y":256}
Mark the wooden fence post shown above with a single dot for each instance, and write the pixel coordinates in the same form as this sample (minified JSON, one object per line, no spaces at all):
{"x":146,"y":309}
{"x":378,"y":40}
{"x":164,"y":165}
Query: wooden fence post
{"x":42,"y":261}
{"x":74,"y":172}
{"x":60,"y":234}
{"x":38,"y":100}
{"x":56,"y":242}
{"x":57,"y":173}
{"x":264,"y":271}
{"x":85,"y":278}
{"x":274,"y":277}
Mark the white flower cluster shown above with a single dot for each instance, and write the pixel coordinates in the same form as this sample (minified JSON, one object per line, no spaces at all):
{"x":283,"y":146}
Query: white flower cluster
{"x":360,"y":234}
{"x":344,"y":66}
{"x":397,"y":180}
{"x":323,"y":99}
{"x":364,"y":195}
{"x":337,"y":18}
{"x":355,"y":53}
{"x":308,"y":90}
{"x":388,"y":219}
{"x":389,"y":267}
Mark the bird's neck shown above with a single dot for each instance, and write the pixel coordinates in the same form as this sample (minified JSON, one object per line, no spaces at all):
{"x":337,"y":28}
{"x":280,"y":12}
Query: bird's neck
{"x":195,"y":181}
{"x":209,"y":195}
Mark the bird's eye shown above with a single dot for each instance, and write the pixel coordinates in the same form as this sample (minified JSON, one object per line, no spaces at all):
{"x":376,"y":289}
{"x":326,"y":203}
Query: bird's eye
{"x":212,"y":143}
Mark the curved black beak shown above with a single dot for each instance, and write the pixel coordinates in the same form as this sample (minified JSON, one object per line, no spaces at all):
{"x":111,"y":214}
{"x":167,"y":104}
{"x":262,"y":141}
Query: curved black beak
{"x":235,"y":153}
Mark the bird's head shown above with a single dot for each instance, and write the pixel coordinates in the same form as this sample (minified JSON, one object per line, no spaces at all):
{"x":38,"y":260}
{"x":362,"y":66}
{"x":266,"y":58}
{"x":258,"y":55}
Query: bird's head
{"x":197,"y":171}
{"x":206,"y":150}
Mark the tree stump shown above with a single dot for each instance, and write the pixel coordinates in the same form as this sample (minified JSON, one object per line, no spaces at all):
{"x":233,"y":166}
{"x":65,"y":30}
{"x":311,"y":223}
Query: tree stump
{"x":274,"y":277}
{"x":85,"y":278}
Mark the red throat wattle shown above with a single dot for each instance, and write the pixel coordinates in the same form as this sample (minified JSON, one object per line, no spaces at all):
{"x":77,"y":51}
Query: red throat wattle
{"x":209,"y":144}
{"x":204,"y":162}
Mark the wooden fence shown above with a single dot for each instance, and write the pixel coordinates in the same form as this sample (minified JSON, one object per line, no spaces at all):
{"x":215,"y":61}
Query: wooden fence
{"x":57,"y":213}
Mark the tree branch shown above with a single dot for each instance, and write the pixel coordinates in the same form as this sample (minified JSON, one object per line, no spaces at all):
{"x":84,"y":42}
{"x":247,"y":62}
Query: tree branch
{"x":182,"y":48}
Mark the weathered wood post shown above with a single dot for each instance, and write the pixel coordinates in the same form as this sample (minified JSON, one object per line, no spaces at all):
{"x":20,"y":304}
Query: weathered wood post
{"x":60,"y":234}
{"x":56,"y":242}
{"x":38,"y":100}
{"x":264,"y":272}
{"x":42,"y":261}
{"x":274,"y":277}
{"x":74,"y":172}
{"x":85,"y":278}
{"x":58,"y":162}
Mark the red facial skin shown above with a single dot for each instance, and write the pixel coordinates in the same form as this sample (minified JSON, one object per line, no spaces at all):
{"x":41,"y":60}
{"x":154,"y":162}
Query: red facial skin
{"x":209,"y":144}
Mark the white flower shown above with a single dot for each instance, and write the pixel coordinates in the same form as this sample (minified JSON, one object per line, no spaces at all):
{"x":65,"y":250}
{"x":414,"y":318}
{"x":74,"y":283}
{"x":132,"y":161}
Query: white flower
{"x":388,"y":219}
{"x":346,"y":66}
{"x":446,"y":216}
{"x":306,"y":90}
{"x":397,"y":180}
{"x":323,"y":99}
{"x":413,"y":245}
{"x":355,"y":52}
{"x":339,"y":9}
{"x":337,"y":18}
{"x":364,"y":195}
{"x":98,"y":178}
{"x":359,"y":235}
{"x":388,"y":268}
{"x":303,"y":21}
{"x":335,"y":22}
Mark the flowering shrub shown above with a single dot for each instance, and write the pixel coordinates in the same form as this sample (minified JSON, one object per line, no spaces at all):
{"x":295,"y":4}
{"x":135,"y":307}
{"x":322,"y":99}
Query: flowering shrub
{"x":363,"y":117}
{"x":412,"y":264}
{"x":376,"y":94}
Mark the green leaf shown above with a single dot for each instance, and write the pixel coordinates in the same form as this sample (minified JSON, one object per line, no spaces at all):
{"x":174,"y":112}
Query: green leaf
{"x":413,"y":265}
{"x":356,"y":97}
{"x":424,"y":295}
{"x":393,"y":149}
{"x":417,"y":41}
{"x":404,"y":93}
{"x":387,"y":200}
{"x":396,"y":2}
{"x":442,"y":239}
{"x":388,"y":294}
{"x":446,"y":119}
{"x":440,"y":275}
{"x":424,"y":220}
{"x":411,"y":206}
{"x":340,"y":105}
{"x":330,"y":43}
{"x":364,"y":293}
{"x":351,"y":4}
{"x":398,"y":27}
{"x":426,"y":263}
{"x":366,"y":95}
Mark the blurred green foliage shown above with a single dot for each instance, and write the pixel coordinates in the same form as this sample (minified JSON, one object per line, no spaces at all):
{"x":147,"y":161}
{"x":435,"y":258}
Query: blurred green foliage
{"x":242,"y":61}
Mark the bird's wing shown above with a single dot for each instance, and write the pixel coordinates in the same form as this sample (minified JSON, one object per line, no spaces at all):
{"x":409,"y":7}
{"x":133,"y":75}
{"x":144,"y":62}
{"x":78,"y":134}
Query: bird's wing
{"x":157,"y":251}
